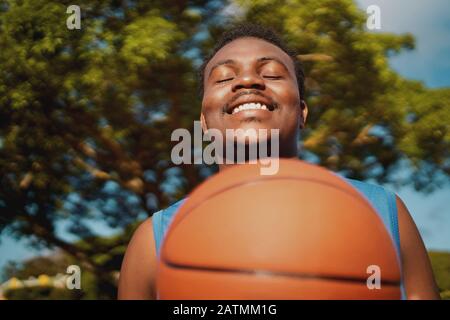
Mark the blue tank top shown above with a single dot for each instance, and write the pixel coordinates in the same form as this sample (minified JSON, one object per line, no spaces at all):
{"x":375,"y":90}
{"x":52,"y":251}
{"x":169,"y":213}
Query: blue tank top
{"x":381,"y":199}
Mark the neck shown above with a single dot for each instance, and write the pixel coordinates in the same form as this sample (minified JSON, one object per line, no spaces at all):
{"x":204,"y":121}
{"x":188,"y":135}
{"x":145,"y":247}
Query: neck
{"x":229,"y":165}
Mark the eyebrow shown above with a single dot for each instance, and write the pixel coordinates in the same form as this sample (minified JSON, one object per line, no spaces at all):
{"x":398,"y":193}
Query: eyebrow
{"x":221,"y":63}
{"x":231,"y":61}
{"x":262,"y":59}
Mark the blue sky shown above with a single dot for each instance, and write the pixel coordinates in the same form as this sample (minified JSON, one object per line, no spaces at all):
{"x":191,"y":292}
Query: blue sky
{"x":429,"y":22}
{"x":429,"y":62}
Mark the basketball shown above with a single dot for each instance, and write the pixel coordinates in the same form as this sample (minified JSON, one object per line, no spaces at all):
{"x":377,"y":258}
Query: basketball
{"x":302,"y":233}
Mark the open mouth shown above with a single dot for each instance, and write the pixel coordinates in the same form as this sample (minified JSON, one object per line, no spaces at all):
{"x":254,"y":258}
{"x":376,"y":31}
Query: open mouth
{"x":250,"y":106}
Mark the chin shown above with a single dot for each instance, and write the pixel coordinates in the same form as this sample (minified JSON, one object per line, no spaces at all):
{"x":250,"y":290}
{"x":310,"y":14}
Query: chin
{"x":248,"y":138}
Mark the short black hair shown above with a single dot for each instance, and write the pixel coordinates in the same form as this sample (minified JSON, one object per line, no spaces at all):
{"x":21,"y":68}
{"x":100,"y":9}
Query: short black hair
{"x":247,"y":29}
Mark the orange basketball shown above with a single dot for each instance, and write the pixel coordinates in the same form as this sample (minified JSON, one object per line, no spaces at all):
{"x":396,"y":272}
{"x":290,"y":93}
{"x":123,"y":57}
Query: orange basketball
{"x":303,"y":233}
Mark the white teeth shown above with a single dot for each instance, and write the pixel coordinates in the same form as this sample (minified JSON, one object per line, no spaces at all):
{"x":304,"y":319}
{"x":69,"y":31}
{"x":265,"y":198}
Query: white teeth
{"x":249,"y":106}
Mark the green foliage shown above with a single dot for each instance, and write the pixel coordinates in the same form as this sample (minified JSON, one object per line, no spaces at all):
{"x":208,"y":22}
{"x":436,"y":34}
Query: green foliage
{"x":441,"y":268}
{"x":50,"y":266}
{"x":37,"y":266}
{"x":86,"y":115}
{"x":41,"y":293}
{"x":79,"y":136}
{"x":105,"y":252}
{"x":92,"y":288}
{"x":360,"y":109}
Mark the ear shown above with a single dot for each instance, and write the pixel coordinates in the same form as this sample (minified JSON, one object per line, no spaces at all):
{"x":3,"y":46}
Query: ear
{"x":304,"y":113}
{"x":203,"y":123}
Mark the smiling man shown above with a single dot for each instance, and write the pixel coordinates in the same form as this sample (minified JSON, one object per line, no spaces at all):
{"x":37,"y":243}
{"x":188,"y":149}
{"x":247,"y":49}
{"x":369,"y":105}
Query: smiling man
{"x":254,"y":84}
{"x":253,"y":81}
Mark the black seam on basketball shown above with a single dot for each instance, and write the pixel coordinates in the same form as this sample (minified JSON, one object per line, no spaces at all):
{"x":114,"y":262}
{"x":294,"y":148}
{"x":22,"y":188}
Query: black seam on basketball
{"x":280,"y":274}
{"x":259,"y":180}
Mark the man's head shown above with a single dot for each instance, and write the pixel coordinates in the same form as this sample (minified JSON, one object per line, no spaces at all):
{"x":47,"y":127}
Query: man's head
{"x":250,"y":64}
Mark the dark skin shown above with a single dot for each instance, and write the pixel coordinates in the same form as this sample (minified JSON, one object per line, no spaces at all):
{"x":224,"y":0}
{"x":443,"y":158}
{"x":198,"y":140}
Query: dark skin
{"x":253,"y":70}
{"x":233,"y":77}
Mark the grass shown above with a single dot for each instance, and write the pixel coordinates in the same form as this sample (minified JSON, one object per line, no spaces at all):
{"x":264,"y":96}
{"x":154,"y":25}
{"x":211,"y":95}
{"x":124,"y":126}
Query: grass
{"x":441,"y":267}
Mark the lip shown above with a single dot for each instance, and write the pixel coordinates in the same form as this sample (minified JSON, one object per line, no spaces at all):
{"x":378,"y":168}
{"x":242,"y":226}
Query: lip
{"x":250,"y":99}
{"x":256,"y":114}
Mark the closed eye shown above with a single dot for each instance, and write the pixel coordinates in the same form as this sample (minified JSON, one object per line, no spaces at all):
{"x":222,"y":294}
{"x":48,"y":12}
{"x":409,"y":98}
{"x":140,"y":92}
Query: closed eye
{"x":272,"y":77}
{"x":224,"y":80}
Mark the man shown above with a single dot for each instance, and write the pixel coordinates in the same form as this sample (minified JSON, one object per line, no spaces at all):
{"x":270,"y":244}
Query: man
{"x":251,"y":65}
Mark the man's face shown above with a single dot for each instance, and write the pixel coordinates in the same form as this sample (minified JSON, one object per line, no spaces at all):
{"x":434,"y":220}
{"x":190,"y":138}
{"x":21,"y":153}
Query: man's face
{"x":251,"y":70}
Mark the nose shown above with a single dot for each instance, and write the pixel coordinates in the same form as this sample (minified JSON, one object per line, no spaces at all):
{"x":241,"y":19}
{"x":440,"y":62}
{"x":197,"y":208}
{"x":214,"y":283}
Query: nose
{"x":248,"y":80}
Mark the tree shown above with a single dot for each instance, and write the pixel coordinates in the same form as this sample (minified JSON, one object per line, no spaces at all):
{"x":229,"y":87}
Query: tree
{"x":365,"y":120}
{"x":86,"y":115}
{"x":53,"y":267}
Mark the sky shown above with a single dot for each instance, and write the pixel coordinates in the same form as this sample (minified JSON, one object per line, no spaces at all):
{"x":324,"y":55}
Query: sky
{"x":429,"y":22}
{"x":429,"y":62}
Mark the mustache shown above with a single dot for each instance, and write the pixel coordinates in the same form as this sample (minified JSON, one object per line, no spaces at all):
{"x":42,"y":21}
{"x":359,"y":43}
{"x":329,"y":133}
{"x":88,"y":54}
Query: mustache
{"x":248,"y":92}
